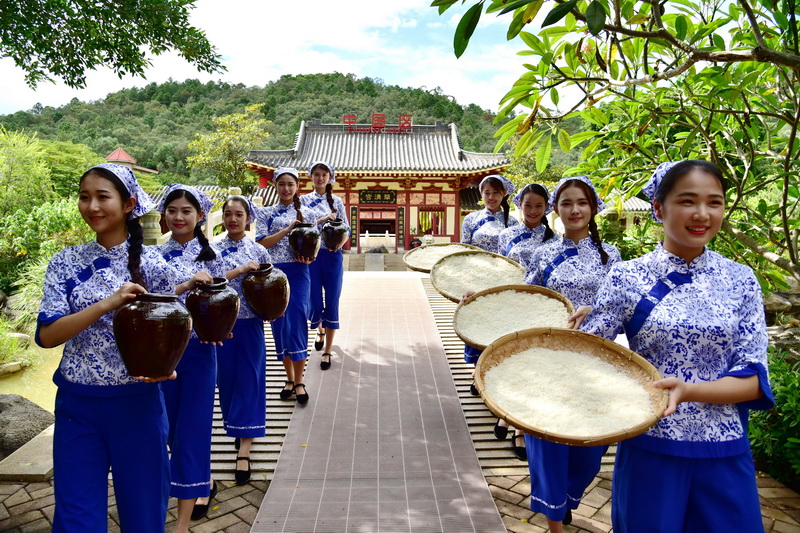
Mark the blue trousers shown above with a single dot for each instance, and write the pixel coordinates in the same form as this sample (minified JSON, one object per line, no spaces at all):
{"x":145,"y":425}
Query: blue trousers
{"x":290,"y":332}
{"x":471,"y":354}
{"x":326,"y":273}
{"x":190,"y":409}
{"x":126,"y":433}
{"x":560,"y":475}
{"x":242,"y":380}
{"x":655,"y":493}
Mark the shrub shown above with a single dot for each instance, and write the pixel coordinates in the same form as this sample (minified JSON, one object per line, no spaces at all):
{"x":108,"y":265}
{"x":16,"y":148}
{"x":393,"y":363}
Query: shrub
{"x":775,"y":433}
{"x":10,"y":348}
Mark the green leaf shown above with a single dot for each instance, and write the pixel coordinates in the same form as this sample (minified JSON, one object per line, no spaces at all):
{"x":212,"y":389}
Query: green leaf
{"x":564,"y":141}
{"x":762,"y":207}
{"x":559,"y":12}
{"x":580,"y":137}
{"x":595,"y":17}
{"x":680,"y":27}
{"x":543,"y":154}
{"x":466,"y":27}
{"x":514,"y":5}
{"x":516,"y":26}
{"x":639,"y":18}
{"x":554,"y":96}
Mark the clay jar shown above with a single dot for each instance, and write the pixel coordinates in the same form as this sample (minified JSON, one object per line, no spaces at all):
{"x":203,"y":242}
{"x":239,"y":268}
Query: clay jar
{"x":266,"y":291}
{"x":214,"y":308}
{"x":304,"y":240}
{"x":334,"y":234}
{"x":152,"y":332}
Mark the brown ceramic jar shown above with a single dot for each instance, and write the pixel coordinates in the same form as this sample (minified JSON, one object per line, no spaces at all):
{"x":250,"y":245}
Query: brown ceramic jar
{"x":152,"y":332}
{"x":334,"y":234}
{"x":266,"y":291}
{"x":214,"y":308}
{"x":304,"y":240}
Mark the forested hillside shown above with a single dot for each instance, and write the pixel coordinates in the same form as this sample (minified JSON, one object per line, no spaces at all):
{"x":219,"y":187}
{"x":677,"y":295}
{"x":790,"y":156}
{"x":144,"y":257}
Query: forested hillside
{"x":155,"y":123}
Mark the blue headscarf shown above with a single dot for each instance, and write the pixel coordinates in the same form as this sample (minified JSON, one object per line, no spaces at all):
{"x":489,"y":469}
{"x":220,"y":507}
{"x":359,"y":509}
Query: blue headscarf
{"x":652,"y":185}
{"x":600,"y":203}
{"x":518,"y":199}
{"x":324,"y":164}
{"x":144,"y":204}
{"x":504,"y":180}
{"x":206,"y":205}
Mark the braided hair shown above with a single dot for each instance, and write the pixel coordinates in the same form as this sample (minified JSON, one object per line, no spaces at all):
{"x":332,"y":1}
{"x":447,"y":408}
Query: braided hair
{"x":498,"y":185}
{"x":134,"y":228}
{"x":207,"y":253}
{"x":538,"y":190}
{"x":591,"y":195}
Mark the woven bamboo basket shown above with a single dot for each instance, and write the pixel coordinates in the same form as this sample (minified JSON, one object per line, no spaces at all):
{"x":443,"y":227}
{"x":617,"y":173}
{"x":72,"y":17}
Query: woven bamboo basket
{"x":527,"y":289}
{"x":409,"y":255}
{"x":438,"y":268}
{"x":625,"y":360}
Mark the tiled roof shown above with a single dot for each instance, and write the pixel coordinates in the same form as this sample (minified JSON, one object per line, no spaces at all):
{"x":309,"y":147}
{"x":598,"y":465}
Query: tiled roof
{"x":423,"y":148}
{"x":120,"y":155}
{"x":470,"y":197}
{"x":631,"y":205}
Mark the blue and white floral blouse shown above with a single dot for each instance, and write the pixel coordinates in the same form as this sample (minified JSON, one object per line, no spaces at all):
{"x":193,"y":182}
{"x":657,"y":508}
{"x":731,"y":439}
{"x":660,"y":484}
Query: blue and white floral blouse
{"x":519,"y":242}
{"x":80,"y":276}
{"x":318,"y":204}
{"x":482,"y":228}
{"x":574,"y":270}
{"x":233,"y":254}
{"x":270,"y":220}
{"x":709,"y":323}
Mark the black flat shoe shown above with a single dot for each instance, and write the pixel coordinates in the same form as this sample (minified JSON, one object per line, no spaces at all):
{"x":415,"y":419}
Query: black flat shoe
{"x":200,"y":510}
{"x":325,"y":365}
{"x":474,"y":390}
{"x":501,"y":432}
{"x":567,"y":518}
{"x":302,"y":399}
{"x":242,"y":476}
{"x":318,"y":344}
{"x":237,"y":442}
{"x":520,"y":451}
{"x":286,"y":393}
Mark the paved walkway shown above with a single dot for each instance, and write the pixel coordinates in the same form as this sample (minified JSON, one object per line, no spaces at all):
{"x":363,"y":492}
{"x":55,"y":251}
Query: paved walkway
{"x":28,"y":507}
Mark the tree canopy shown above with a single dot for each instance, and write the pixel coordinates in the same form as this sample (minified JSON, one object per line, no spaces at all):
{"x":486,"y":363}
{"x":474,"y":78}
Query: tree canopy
{"x":66,"y":38}
{"x":663,"y":80}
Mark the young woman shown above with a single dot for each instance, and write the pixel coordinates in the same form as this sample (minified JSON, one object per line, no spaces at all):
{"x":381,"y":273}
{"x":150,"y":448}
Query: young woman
{"x":105,"y":419}
{"x":190,"y":398}
{"x":518,"y":243}
{"x":327,"y":271}
{"x":699,"y":319}
{"x":574,"y":265}
{"x":242,"y":360}
{"x":291,"y":330}
{"x":482,"y":229}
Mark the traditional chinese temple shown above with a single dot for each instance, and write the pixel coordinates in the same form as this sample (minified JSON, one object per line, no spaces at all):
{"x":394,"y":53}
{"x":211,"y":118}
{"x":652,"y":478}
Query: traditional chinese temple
{"x":397,"y":180}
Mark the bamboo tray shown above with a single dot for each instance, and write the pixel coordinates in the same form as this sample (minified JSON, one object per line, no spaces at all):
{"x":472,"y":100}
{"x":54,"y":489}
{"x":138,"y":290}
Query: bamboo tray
{"x":438,"y":274}
{"x":623,"y":359}
{"x":457,"y":247}
{"x":527,"y":289}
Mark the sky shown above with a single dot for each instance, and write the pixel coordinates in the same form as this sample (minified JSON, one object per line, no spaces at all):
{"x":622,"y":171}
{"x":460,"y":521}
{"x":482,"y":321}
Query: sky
{"x":402,"y":42}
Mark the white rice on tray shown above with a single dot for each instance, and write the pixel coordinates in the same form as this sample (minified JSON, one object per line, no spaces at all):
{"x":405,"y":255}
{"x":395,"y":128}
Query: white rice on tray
{"x":569,"y":393}
{"x":475,"y":272}
{"x":425,"y":257}
{"x":489,"y":317}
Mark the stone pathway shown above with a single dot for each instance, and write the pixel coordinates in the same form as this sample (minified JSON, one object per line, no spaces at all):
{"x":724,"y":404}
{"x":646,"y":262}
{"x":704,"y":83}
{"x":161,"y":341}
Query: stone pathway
{"x":28,"y":507}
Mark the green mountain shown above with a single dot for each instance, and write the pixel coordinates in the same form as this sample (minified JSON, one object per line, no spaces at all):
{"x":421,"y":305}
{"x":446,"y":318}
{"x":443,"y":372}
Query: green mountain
{"x":155,"y":123}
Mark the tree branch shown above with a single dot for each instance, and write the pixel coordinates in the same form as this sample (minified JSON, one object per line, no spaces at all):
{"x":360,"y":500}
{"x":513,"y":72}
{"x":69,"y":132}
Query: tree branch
{"x":772,"y":257}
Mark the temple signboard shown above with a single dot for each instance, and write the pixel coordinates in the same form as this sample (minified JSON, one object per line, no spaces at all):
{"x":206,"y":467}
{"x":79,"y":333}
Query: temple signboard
{"x":377,"y":197}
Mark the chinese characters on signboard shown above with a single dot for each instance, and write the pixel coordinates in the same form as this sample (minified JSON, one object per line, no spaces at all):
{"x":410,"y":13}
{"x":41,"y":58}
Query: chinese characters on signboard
{"x":377,"y":197}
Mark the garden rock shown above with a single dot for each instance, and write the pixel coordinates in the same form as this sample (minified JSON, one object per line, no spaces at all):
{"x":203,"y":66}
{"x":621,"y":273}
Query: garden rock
{"x":20,"y":421}
{"x":787,"y":339}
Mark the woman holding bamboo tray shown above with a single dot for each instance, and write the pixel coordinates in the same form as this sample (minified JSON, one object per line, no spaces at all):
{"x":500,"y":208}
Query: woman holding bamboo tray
{"x":482,"y":229}
{"x":574,"y":265}
{"x":699,"y":319}
{"x":242,"y":359}
{"x":291,"y":330}
{"x":327,"y":271}
{"x":518,"y":243}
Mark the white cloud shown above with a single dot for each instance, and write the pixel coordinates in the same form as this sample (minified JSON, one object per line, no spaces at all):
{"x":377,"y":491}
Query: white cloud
{"x":404,"y":42}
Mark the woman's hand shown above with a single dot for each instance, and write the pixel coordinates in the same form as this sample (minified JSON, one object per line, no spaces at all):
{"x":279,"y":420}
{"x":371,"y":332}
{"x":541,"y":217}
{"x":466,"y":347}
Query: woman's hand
{"x":123,"y":295}
{"x":677,"y":392}
{"x":579,"y":316}
{"x":305,"y":260}
{"x":216,"y":343}
{"x":466,"y":295}
{"x":143,"y":379}
{"x":249,"y":267}
{"x":200,"y":277}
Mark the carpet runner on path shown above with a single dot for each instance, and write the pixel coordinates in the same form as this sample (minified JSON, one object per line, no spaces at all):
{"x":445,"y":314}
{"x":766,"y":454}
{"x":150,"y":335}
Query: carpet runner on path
{"x":383,"y":444}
